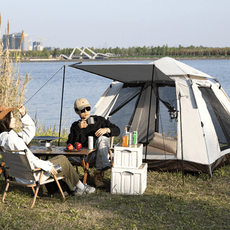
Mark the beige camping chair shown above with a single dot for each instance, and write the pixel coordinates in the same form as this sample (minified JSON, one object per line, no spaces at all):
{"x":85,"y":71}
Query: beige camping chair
{"x":17,"y":164}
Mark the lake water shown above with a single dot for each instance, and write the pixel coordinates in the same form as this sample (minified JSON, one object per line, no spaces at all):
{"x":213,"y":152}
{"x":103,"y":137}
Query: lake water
{"x":46,"y":104}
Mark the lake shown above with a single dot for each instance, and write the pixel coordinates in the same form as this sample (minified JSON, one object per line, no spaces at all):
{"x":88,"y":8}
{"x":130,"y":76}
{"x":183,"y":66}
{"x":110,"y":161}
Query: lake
{"x":46,"y":103}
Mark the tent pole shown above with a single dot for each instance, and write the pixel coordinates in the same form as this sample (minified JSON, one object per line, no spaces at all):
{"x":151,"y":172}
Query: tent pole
{"x":63,"y":84}
{"x":182,"y":154}
{"x":150,"y":103}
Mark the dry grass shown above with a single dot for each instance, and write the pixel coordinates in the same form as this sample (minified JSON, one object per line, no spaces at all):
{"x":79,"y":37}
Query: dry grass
{"x":12,"y":84}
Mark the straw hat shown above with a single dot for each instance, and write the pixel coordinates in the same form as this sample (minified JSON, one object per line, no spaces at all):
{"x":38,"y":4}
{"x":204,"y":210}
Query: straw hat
{"x":4,"y":111}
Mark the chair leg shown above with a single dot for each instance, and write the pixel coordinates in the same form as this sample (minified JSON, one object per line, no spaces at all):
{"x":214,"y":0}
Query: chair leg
{"x":35,"y":196}
{"x":33,"y":190}
{"x":111,"y":157}
{"x":6,"y":189}
{"x":59,"y":186}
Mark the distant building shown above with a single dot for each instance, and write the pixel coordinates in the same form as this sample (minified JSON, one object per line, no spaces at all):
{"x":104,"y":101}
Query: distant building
{"x":50,"y":48}
{"x":14,"y":41}
{"x":37,"y":46}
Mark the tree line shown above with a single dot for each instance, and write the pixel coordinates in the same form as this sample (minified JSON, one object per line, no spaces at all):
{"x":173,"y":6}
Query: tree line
{"x":145,"y":51}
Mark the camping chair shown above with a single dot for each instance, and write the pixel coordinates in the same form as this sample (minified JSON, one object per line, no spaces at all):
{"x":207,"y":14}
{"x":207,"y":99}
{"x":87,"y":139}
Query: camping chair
{"x":18,"y":165}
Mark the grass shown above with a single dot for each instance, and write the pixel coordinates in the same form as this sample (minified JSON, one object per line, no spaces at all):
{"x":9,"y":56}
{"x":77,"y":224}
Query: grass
{"x":201,"y":203}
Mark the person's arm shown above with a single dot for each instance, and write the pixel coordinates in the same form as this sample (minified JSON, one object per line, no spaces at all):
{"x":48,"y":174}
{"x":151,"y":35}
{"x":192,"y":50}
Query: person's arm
{"x":107,"y":128}
{"x":28,"y":126}
{"x":16,"y":143}
{"x":74,"y":135}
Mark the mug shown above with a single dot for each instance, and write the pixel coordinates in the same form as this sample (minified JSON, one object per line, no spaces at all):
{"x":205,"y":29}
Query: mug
{"x":90,"y":120}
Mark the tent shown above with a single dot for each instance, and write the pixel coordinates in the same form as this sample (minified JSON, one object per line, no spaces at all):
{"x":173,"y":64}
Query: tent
{"x":182,"y":115}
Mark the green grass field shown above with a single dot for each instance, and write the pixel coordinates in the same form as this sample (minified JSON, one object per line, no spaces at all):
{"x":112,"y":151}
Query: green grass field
{"x":201,"y":203}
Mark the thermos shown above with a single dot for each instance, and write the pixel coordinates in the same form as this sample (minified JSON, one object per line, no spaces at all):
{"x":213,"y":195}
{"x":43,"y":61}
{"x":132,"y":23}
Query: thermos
{"x":90,"y":142}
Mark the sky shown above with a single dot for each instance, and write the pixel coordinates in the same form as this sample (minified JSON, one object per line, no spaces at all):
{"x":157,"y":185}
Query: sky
{"x":119,"y":23}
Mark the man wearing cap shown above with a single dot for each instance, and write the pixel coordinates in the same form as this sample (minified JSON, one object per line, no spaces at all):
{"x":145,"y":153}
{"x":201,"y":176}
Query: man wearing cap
{"x":100,"y":130}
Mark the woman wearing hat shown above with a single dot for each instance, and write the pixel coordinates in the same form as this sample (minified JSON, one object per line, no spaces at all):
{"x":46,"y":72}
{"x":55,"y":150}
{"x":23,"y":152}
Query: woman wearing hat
{"x":9,"y":139}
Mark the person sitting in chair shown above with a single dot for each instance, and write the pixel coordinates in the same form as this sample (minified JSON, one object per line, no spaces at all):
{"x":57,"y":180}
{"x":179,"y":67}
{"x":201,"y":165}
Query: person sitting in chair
{"x":11,"y":140}
{"x":101,"y":129}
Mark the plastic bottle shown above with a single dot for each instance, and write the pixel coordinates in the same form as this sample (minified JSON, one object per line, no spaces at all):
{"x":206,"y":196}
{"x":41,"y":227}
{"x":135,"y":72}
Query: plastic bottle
{"x":125,"y":138}
{"x":135,"y":138}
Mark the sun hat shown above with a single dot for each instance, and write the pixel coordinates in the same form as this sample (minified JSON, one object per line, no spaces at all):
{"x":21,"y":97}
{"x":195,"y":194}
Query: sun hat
{"x":81,"y":103}
{"x":4,"y":111}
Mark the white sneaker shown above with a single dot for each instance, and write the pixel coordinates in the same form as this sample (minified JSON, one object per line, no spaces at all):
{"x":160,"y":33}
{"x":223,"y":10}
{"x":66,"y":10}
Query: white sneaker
{"x":87,"y":190}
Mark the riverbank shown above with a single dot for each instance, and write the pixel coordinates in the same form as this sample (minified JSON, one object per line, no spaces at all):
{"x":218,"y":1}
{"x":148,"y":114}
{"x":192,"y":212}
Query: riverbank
{"x":149,"y":58}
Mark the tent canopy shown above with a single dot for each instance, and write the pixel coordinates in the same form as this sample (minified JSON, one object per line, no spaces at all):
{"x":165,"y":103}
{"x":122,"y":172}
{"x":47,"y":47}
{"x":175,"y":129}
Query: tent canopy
{"x":134,"y":72}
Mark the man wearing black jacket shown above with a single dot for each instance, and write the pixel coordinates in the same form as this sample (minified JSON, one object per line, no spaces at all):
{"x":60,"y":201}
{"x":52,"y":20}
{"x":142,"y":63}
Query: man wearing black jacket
{"x":100,"y":130}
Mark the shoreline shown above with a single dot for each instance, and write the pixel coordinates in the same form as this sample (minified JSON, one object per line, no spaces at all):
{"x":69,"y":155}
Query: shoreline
{"x":124,"y":59}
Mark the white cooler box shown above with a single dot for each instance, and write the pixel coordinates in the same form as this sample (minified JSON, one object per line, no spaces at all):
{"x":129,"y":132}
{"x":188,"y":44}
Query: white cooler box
{"x":128,"y":157}
{"x":129,"y":181}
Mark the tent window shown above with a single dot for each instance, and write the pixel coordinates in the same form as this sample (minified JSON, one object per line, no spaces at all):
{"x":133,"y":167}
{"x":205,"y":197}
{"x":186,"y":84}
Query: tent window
{"x":125,"y":95}
{"x":122,"y":116}
{"x":220,"y":117}
{"x":166,"y":125}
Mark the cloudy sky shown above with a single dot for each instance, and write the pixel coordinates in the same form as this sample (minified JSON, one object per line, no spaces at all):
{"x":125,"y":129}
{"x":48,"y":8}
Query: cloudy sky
{"x":122,"y":23}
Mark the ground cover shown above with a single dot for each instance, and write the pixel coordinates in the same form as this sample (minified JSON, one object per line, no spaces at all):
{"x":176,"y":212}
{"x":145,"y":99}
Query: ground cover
{"x":200,"y":202}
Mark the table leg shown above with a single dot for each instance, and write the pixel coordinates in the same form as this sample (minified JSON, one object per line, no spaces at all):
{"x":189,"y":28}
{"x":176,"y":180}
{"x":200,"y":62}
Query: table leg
{"x":86,"y":168}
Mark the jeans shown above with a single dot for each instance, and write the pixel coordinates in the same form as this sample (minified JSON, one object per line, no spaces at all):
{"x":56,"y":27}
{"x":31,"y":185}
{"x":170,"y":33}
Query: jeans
{"x":100,"y":156}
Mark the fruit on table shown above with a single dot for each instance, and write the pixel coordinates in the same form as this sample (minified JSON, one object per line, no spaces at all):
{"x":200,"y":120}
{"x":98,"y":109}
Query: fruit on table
{"x":70,"y":147}
{"x":78,"y":146}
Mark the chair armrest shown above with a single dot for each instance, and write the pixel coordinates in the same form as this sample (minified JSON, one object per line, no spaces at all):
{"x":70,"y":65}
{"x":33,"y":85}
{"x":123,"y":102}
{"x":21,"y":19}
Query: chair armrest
{"x":36,"y":170}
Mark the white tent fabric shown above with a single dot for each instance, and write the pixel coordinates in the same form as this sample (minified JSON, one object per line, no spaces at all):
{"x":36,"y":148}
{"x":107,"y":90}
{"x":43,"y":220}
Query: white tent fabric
{"x":192,"y":134}
{"x":107,"y":100}
{"x":171,"y":67}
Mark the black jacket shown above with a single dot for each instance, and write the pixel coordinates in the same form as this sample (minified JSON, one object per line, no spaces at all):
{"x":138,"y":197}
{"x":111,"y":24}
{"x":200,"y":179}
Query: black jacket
{"x":81,"y":135}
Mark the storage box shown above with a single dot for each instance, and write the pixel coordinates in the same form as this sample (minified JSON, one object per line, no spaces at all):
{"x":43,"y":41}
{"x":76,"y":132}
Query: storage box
{"x":128,"y":157}
{"x":129,"y":181}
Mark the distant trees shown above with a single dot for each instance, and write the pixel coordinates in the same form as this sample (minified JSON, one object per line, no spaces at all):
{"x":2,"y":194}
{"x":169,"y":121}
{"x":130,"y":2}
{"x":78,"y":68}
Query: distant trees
{"x":145,"y":51}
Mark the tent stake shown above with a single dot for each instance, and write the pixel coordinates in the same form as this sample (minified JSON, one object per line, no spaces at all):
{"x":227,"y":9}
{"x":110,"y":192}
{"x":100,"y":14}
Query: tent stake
{"x":63,"y":85}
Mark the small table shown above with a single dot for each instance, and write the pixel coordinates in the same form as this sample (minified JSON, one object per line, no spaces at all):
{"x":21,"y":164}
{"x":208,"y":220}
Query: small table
{"x":56,"y":150}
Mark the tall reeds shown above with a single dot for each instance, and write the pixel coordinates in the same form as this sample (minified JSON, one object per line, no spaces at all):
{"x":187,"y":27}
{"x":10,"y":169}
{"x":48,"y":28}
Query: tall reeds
{"x":12,"y":84}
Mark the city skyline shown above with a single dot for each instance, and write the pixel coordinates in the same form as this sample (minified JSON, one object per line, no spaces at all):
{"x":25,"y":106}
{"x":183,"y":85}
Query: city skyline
{"x":121,"y":23}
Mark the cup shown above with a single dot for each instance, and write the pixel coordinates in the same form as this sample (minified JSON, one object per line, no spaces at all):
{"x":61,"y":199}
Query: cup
{"x":91,"y":121}
{"x":90,"y":142}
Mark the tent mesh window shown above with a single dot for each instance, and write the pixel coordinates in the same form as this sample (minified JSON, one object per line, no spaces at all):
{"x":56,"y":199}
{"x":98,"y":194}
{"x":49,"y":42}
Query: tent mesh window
{"x":167,"y":125}
{"x":124,"y":106}
{"x":220,"y":117}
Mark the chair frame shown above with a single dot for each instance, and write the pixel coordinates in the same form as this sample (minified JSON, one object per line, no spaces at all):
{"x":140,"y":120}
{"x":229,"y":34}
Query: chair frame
{"x":35,"y":186}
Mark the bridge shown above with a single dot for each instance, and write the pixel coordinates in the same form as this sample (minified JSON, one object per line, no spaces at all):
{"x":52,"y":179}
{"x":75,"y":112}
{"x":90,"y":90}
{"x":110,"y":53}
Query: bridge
{"x":85,"y":55}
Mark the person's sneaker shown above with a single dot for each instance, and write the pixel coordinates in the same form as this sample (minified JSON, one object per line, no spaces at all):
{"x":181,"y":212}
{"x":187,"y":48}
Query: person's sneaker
{"x":87,"y":190}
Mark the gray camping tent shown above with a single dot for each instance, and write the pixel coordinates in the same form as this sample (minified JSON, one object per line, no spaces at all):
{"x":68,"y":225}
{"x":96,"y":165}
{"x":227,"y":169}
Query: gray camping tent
{"x":182,"y":116}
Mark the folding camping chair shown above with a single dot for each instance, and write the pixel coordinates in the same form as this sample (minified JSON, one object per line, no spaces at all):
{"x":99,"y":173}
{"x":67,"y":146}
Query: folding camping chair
{"x":17,"y":164}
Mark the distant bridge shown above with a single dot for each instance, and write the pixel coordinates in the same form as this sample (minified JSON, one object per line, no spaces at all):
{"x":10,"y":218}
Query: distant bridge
{"x":84,"y":55}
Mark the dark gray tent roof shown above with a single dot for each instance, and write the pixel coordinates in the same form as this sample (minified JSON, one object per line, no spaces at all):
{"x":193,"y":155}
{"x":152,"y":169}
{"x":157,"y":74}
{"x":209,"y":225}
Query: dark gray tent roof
{"x":135,"y":72}
{"x":124,"y":72}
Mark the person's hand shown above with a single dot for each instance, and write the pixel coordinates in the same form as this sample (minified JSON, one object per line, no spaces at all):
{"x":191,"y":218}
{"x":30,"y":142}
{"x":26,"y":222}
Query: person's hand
{"x":22,"y":110}
{"x":101,"y":132}
{"x":53,"y":171}
{"x":83,"y":124}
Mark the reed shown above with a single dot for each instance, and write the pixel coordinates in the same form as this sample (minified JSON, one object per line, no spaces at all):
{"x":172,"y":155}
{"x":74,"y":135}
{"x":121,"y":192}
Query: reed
{"x":12,"y":84}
